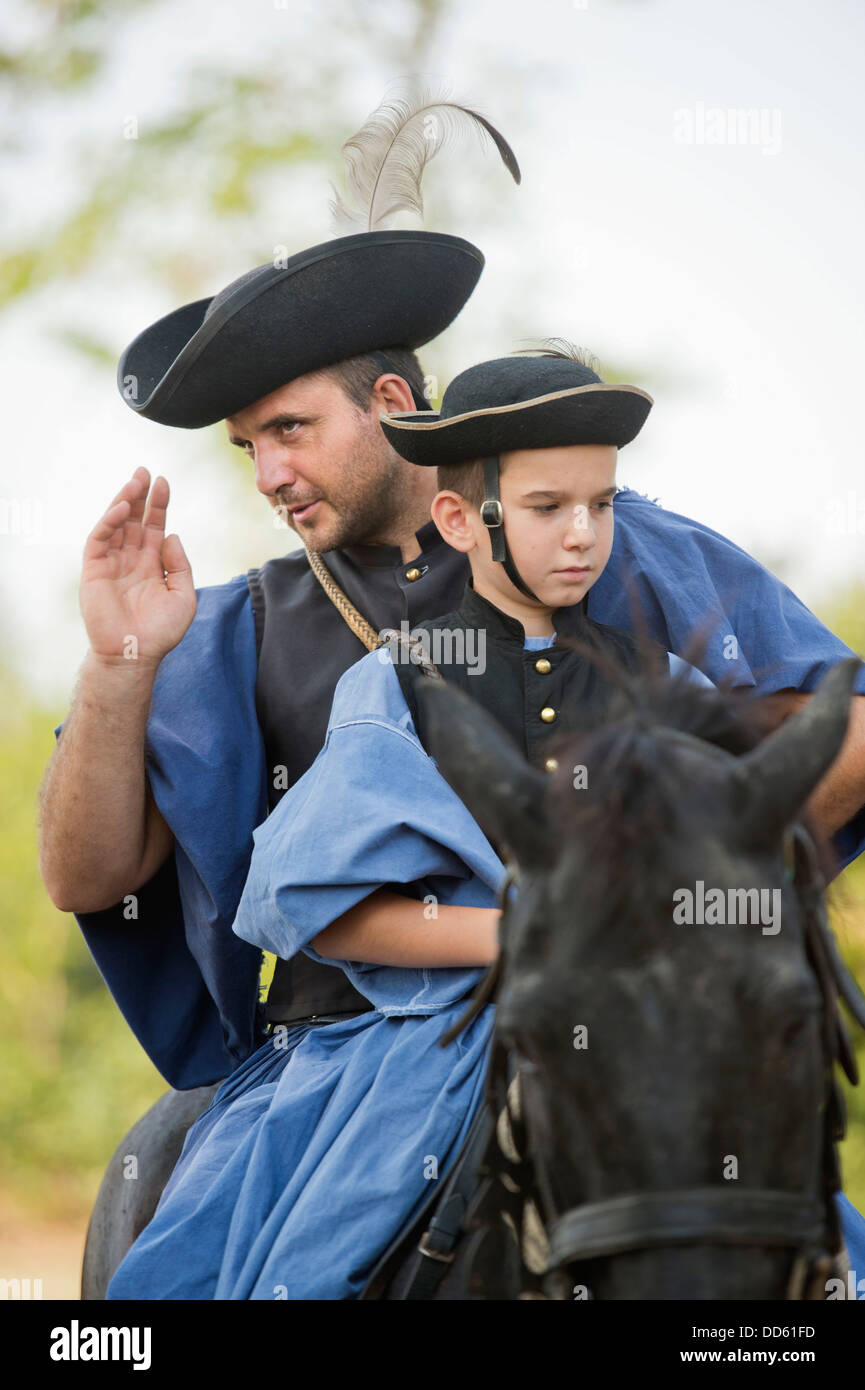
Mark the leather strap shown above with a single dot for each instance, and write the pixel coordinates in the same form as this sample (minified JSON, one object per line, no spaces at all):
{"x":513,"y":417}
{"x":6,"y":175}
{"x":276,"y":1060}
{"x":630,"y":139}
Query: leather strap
{"x":436,"y":1246}
{"x":432,"y":1251}
{"x":493,"y":518}
{"x":492,"y":514}
{"x":690,"y":1216}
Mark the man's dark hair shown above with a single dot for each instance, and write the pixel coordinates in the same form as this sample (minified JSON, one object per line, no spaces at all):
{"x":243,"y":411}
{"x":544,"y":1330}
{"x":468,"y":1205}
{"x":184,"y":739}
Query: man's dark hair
{"x":358,"y":375}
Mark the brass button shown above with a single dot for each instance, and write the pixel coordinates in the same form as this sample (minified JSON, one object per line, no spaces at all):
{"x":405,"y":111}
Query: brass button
{"x":548,"y":715}
{"x":412,"y":574}
{"x":551,"y":765}
{"x":543,"y":666}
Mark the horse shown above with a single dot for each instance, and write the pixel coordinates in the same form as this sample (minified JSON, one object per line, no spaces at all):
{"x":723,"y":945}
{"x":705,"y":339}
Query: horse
{"x":666,"y":1128}
{"x":662,"y":1110}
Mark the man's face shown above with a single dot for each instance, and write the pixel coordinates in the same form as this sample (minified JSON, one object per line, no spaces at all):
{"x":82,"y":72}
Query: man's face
{"x":323,"y":463}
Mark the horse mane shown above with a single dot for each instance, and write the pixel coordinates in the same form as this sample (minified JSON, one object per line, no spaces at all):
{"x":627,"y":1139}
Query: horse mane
{"x":635,"y":798}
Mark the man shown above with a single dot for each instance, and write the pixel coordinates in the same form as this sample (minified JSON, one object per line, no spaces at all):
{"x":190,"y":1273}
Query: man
{"x":105,"y":832}
{"x":194,"y":715}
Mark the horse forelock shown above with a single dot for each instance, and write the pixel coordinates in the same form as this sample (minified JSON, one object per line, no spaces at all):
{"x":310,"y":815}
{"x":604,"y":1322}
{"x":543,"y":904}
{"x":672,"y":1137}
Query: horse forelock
{"x":631,"y":804}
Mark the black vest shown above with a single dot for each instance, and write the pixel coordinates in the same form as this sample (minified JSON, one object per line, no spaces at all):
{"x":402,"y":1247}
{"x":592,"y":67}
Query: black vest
{"x":305,"y":646}
{"x":535,"y":695}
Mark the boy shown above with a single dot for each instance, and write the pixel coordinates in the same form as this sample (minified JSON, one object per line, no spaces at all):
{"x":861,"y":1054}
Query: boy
{"x":319,"y":1150}
{"x":552,"y":501}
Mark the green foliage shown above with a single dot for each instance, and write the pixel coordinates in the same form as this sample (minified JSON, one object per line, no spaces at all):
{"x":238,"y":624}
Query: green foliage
{"x":846,"y":616}
{"x":127,"y":174}
{"x":223,"y":155}
{"x":72,"y":1077}
{"x":69,"y":46}
{"x":182,"y":195}
{"x":849,"y":927}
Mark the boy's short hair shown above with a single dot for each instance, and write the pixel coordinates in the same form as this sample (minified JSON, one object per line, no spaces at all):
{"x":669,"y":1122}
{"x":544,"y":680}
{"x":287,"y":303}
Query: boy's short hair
{"x":468,"y":478}
{"x":465,"y":478}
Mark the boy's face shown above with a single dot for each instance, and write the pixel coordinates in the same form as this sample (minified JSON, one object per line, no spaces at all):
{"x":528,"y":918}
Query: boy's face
{"x":558,"y":506}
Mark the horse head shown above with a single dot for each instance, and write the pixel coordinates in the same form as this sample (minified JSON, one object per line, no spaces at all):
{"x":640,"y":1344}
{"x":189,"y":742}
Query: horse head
{"x":668,"y":987}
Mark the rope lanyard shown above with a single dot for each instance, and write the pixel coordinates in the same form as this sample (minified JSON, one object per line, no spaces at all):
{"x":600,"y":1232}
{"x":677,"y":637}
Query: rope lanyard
{"x":342,"y":603}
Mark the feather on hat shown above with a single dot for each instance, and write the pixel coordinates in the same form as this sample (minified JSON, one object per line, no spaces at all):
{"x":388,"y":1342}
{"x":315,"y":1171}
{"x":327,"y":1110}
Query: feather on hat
{"x":378,"y":287}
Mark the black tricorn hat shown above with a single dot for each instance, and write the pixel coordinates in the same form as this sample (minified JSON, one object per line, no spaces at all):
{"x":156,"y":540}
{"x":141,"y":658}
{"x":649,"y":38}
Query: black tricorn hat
{"x":352,"y":295}
{"x":519,"y":402}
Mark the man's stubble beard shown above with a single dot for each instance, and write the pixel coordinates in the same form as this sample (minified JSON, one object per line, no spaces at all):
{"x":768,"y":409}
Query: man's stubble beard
{"x":371,"y":503}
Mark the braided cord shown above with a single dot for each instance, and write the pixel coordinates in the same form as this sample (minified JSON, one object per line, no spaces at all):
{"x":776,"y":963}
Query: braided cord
{"x":343,"y":604}
{"x":359,"y":625}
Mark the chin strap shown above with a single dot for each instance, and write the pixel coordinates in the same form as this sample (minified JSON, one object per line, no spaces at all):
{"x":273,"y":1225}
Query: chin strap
{"x":493,"y":518}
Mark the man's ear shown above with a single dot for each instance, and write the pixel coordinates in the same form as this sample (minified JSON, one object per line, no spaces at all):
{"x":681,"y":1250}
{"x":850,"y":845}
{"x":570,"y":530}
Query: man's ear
{"x":392,"y":394}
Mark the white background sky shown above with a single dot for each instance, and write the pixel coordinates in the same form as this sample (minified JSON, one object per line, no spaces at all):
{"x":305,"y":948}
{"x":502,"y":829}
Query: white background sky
{"x":726,"y":278}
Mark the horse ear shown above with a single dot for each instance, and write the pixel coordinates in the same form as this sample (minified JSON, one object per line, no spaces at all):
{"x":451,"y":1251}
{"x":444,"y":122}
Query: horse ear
{"x":504,"y":793}
{"x":778,"y":776}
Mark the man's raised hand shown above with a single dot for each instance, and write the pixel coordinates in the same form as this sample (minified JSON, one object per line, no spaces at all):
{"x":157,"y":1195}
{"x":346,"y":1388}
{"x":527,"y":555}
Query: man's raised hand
{"x":137,"y":595}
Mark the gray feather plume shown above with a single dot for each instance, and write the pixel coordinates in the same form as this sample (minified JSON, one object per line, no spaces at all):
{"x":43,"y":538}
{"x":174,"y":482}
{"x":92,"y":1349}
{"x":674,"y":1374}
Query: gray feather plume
{"x":385,"y":160}
{"x":562,"y":347}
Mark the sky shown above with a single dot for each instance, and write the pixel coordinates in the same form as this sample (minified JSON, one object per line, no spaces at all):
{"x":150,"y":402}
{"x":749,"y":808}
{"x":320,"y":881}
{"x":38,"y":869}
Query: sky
{"x":691,"y":211}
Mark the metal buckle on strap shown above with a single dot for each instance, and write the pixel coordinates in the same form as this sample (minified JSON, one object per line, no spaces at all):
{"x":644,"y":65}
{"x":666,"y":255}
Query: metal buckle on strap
{"x":442,"y":1256}
{"x":491,"y":512}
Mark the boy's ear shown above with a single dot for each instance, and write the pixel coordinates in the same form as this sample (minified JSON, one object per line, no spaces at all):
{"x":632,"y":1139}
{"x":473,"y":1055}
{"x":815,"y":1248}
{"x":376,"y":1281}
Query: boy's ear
{"x":450,"y":512}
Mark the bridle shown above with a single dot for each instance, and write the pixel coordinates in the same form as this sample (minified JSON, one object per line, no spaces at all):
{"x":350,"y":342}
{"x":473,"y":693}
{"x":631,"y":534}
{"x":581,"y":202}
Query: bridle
{"x":805,"y":1224}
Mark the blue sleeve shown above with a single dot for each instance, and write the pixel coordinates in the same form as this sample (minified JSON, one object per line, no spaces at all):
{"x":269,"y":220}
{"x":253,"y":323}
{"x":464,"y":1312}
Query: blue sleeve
{"x":372,"y":810}
{"x":186,"y":985}
{"x":853,"y":1228}
{"x":680,"y":668}
{"x":686,"y":579}
{"x":684,"y":576}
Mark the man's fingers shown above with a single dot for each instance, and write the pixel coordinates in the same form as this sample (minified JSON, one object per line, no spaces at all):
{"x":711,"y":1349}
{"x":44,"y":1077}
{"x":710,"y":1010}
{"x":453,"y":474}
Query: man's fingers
{"x":105,"y":533}
{"x":132,"y":531}
{"x":178,"y":572}
{"x":153,"y":525}
{"x":108,"y":533}
{"x":133,"y":487}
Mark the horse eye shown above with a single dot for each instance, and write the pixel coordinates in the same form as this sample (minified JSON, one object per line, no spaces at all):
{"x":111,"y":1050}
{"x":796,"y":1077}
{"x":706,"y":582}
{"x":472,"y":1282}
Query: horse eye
{"x":796,"y":1014}
{"x":798,"y":1024}
{"x":794,"y":1031}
